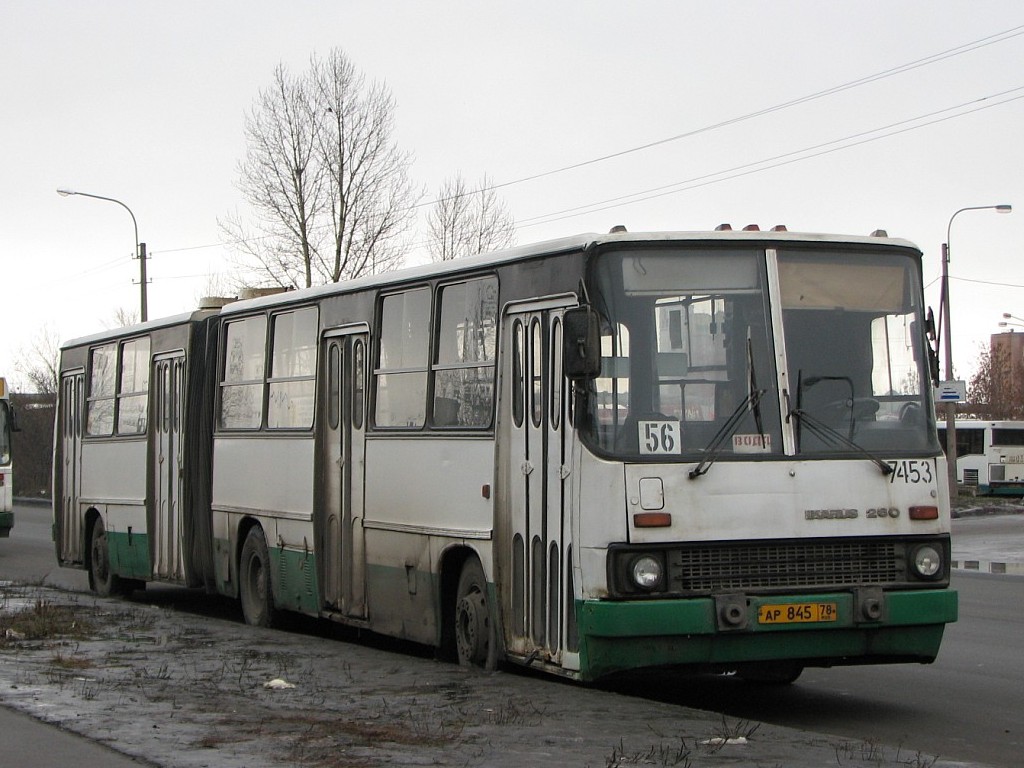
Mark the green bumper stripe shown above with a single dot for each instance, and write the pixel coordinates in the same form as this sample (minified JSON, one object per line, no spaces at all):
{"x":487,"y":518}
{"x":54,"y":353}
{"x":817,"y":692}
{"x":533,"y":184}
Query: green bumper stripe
{"x":697,"y":616}
{"x":625,"y":635}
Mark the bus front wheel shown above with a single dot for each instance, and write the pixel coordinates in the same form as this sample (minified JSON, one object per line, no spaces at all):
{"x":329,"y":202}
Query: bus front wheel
{"x":254,"y":580}
{"x":102,"y":579}
{"x":474,"y":628}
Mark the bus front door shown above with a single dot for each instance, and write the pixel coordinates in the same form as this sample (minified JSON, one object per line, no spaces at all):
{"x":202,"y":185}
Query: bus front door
{"x":169,"y":402}
{"x":339,"y":515}
{"x":536,"y":556}
{"x":70,"y":532}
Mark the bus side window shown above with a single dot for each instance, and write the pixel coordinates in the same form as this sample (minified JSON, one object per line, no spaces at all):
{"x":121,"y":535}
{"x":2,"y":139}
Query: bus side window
{"x":102,"y":390}
{"x":401,"y":375}
{"x":293,"y":370}
{"x":241,"y":395}
{"x":133,"y":392}
{"x":464,"y":367}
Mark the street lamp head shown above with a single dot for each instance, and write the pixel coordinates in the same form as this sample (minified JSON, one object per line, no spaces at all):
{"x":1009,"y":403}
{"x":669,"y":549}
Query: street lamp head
{"x":66,"y":192}
{"x":1006,"y":316}
{"x":1004,"y":208}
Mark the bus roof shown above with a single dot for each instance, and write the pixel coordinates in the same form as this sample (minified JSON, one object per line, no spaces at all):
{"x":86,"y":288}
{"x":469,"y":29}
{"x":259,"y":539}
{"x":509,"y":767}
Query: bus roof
{"x":550,"y":247}
{"x":496,"y":258}
{"x":150,"y":325}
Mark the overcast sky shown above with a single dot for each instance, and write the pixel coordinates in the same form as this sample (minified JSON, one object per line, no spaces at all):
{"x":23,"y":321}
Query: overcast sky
{"x":145,"y":103}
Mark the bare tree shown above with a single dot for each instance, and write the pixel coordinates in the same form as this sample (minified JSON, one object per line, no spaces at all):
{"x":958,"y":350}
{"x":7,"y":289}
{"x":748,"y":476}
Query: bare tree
{"x":996,"y":391}
{"x":329,"y":190}
{"x":464,"y":222}
{"x":39,"y":364}
{"x":123,"y":318}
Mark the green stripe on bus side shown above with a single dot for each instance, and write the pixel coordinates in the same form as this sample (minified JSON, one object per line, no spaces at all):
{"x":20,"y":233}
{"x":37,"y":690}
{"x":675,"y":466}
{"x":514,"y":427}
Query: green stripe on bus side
{"x":129,"y":555}
{"x":295,"y":581}
{"x":627,"y":635}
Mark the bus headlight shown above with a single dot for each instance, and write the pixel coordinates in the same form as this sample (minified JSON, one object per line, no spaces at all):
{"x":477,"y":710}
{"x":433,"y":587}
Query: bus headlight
{"x":647,"y":572}
{"x":927,"y":561}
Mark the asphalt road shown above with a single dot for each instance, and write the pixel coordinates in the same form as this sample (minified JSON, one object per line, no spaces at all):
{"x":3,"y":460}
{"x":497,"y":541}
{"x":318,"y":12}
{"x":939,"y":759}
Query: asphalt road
{"x":30,"y":743}
{"x":967,"y":706}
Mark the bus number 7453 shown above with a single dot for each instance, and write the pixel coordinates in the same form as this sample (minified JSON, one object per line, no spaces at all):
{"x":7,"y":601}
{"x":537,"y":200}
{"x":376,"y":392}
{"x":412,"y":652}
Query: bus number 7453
{"x":911,"y":471}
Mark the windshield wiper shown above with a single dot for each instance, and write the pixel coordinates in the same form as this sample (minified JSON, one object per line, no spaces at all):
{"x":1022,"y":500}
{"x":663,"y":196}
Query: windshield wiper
{"x":756,"y":404}
{"x":834,"y":437}
{"x":827,"y":434}
{"x":728,"y":429}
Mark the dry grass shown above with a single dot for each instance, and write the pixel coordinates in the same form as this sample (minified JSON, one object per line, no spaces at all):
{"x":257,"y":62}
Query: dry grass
{"x":42,"y":621}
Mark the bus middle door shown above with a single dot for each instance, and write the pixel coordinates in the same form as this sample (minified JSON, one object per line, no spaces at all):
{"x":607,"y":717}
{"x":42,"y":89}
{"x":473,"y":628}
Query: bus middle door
{"x":339,"y":515}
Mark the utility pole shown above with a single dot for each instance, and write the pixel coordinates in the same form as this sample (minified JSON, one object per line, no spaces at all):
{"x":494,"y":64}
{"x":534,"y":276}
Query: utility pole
{"x":144,"y":314}
{"x":140,"y":248}
{"x":951,"y":406}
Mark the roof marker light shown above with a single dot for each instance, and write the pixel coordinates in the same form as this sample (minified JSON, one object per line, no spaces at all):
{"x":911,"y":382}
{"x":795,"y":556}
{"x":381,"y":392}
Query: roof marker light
{"x":751,"y":228}
{"x":879,"y":233}
{"x":779,"y":228}
{"x":723,"y":228}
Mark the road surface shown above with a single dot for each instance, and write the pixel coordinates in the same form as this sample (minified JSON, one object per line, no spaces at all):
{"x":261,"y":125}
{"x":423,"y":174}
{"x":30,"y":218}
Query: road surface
{"x":967,"y":706}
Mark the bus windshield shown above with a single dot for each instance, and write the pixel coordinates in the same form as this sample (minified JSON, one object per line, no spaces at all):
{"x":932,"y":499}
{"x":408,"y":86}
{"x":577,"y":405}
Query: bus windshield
{"x":691,"y":361}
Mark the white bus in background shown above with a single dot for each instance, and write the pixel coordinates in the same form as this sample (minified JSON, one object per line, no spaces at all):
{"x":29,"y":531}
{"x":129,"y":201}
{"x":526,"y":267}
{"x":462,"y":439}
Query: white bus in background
{"x":989,"y":456}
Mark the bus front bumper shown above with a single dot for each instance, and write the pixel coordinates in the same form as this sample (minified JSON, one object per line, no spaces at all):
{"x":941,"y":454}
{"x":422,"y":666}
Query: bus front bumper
{"x":621,"y":635}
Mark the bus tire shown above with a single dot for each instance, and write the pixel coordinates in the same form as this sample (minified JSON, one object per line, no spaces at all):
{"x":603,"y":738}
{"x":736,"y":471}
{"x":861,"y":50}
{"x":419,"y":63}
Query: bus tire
{"x":255,"y":588}
{"x":474,"y":625}
{"x":102,"y":579}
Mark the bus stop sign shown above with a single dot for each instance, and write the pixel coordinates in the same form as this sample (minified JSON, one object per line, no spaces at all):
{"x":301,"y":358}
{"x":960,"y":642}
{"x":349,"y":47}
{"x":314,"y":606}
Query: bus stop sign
{"x":951,"y":391}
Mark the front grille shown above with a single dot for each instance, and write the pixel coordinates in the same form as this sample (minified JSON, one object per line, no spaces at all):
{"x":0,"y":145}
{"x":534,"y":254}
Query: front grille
{"x":784,"y":565}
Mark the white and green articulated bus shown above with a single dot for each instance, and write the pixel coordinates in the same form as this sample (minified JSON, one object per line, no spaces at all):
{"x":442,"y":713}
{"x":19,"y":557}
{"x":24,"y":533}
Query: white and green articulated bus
{"x":711,"y":450}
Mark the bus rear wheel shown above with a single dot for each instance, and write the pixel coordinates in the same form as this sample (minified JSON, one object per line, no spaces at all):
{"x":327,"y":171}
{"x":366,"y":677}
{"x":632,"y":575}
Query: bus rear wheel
{"x":102,"y":579}
{"x":254,"y":580}
{"x":474,"y":630}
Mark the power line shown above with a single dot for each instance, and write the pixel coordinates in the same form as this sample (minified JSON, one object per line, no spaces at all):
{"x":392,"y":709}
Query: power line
{"x":986,"y":282}
{"x":941,"y":56}
{"x":865,"y":80}
{"x":853,"y":140}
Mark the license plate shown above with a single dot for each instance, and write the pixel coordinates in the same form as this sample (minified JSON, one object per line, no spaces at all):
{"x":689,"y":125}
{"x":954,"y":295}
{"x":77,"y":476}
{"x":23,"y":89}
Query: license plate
{"x":796,"y":613}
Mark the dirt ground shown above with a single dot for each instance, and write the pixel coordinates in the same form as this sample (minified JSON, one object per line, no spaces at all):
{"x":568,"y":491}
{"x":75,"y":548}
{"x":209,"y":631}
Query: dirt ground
{"x":180,"y":689}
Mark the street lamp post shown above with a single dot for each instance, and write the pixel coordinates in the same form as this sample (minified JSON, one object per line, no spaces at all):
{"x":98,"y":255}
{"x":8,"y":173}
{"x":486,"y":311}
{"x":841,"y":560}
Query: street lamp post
{"x":140,"y":248}
{"x":948,"y":343}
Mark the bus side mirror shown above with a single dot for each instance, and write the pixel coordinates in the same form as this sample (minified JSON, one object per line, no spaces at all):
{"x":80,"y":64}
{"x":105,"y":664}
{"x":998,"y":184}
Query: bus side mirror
{"x":581,"y":344}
